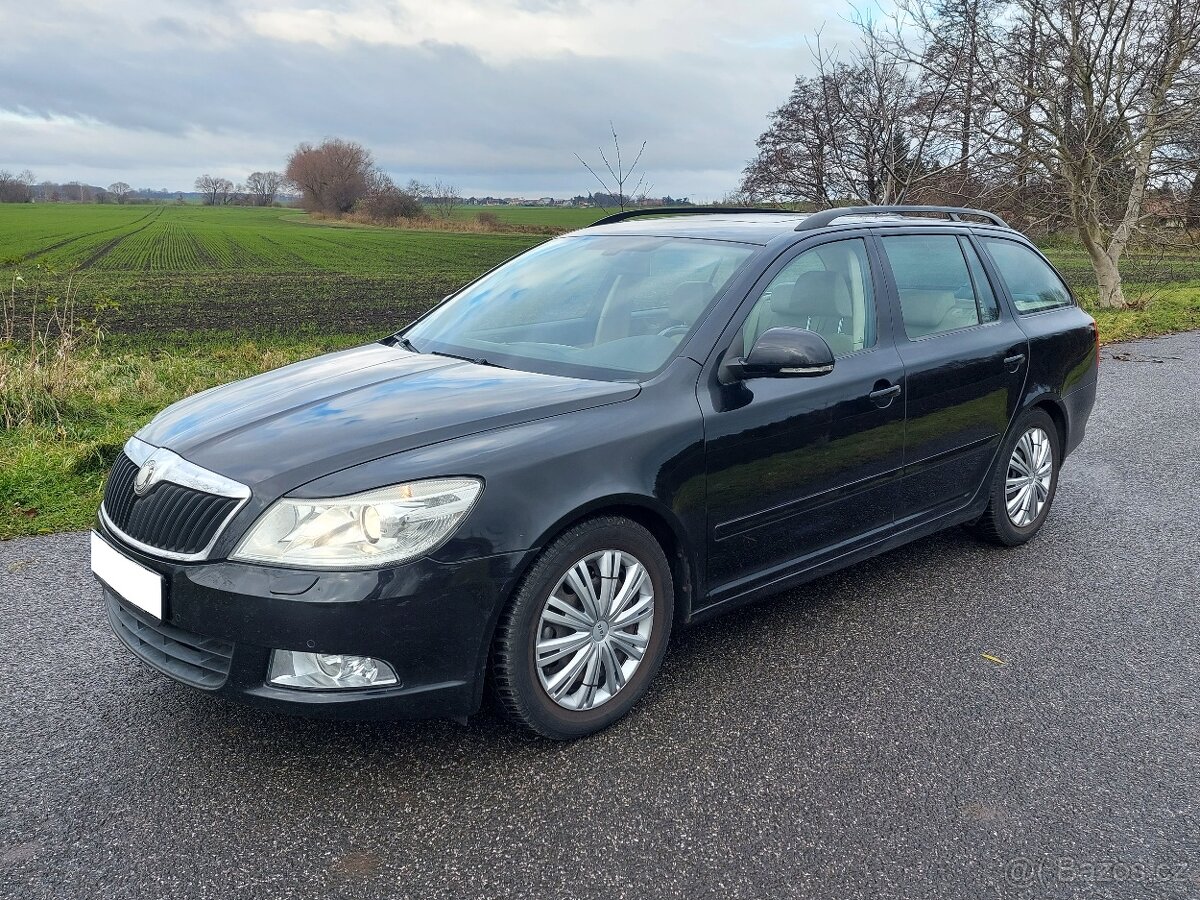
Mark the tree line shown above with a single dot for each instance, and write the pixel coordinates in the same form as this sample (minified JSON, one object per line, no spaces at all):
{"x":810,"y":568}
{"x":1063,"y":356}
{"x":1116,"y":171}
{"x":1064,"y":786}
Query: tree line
{"x":336,"y":177}
{"x":1059,"y":114}
{"x":259,"y":189}
{"x":24,"y":187}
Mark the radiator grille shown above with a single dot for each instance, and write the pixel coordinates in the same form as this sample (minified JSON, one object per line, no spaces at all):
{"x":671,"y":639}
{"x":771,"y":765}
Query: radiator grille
{"x":169,"y":516}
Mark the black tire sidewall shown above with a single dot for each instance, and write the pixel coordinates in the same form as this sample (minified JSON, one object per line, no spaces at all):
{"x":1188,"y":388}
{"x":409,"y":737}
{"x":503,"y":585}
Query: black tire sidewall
{"x":528,"y":701}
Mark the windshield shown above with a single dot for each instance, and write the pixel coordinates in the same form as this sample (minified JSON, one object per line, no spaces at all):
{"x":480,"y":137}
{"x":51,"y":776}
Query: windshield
{"x":603,"y":306}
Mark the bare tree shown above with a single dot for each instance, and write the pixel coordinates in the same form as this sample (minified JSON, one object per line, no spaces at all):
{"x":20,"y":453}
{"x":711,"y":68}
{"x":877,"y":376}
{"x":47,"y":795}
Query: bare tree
{"x":261,"y":187}
{"x":1089,"y":98}
{"x":120,"y":191}
{"x":386,"y":202}
{"x":866,"y":128}
{"x":793,"y":161}
{"x":16,"y":188}
{"x":620,"y":176}
{"x":216,"y":191}
{"x":77,"y":191}
{"x":206,"y":186}
{"x":952,"y":58}
{"x":331,"y":176}
{"x":445,"y":198}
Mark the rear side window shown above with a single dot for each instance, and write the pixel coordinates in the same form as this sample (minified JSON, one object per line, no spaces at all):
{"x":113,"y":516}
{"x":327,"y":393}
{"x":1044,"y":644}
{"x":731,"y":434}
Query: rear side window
{"x":1034,"y":286}
{"x":939,"y":291}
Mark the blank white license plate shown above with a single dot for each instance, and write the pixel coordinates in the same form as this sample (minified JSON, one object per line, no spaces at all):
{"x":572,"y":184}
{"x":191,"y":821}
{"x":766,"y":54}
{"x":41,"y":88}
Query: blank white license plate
{"x":130,"y":580}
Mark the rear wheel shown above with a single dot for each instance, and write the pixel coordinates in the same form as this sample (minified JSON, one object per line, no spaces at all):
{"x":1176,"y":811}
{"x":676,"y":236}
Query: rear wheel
{"x":1024,"y":481}
{"x":585,"y":633}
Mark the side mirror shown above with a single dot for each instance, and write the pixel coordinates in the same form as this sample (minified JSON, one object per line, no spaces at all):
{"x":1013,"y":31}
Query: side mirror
{"x":784,"y":353}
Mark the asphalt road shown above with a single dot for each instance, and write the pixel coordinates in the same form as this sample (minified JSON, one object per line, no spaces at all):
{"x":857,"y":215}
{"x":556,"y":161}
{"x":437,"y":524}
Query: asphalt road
{"x":849,"y":739}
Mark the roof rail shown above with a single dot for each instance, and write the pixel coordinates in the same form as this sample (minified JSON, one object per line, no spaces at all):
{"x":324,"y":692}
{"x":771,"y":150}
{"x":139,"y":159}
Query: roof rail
{"x":828,"y":216}
{"x":686,"y":211}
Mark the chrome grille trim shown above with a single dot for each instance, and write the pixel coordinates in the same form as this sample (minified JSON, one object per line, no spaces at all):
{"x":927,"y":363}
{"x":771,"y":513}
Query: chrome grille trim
{"x":172,"y":468}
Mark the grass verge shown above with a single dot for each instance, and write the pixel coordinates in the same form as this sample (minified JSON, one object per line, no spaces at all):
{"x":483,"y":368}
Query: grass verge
{"x":52,"y":469}
{"x":1166,"y":310}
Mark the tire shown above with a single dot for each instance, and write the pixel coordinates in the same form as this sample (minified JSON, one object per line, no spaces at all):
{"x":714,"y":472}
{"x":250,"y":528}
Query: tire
{"x":997,"y":525}
{"x":526,"y":663}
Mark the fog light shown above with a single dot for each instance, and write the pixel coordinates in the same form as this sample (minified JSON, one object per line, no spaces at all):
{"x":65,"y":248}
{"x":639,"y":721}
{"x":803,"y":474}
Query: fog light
{"x":328,"y":671}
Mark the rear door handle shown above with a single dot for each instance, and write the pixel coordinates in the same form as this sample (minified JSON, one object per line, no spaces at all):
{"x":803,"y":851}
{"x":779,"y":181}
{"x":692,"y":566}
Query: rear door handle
{"x":884,"y":396}
{"x":1012,"y":363}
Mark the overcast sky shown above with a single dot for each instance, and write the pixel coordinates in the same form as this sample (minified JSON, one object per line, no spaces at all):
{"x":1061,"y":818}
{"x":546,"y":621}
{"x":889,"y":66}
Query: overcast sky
{"x":493,"y":95}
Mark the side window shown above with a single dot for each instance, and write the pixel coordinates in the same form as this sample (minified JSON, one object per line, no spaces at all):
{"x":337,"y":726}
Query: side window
{"x":1034,"y":286}
{"x":937,"y":290}
{"x":827,"y":290}
{"x":985,"y":297}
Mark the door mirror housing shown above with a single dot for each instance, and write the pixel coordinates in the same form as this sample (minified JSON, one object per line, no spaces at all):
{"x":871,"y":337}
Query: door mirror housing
{"x":784,"y":352}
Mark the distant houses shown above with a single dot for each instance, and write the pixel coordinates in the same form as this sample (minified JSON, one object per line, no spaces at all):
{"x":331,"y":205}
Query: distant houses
{"x":579,"y":201}
{"x":525,"y":201}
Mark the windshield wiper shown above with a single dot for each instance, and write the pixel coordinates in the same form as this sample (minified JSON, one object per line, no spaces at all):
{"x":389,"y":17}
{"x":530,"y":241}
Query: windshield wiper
{"x":478,"y":360}
{"x":405,"y":343}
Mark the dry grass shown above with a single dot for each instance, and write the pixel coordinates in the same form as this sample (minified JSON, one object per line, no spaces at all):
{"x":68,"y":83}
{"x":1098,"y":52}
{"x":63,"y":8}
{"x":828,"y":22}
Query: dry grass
{"x":47,"y":347}
{"x":482,"y":223}
{"x":78,"y":411}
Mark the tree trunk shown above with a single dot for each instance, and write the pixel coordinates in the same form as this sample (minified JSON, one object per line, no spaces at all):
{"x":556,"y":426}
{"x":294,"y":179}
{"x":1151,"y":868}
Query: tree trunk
{"x":1103,"y":256}
{"x":968,"y":99}
{"x":1108,"y":279}
{"x":1192,"y":215}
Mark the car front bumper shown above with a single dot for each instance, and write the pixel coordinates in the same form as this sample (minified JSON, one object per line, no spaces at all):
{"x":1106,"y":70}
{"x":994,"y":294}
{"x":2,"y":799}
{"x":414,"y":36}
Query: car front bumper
{"x":432,"y":622}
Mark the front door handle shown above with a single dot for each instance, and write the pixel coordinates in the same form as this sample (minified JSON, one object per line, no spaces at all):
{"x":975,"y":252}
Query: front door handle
{"x":1012,"y":363}
{"x":883,"y":396}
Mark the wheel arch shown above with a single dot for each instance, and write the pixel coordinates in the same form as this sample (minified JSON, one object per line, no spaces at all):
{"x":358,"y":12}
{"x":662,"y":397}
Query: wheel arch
{"x":656,"y":518}
{"x":1053,"y":407}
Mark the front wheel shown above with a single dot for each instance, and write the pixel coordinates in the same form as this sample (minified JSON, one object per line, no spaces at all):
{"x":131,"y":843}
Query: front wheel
{"x":585,"y":633}
{"x":1024,"y":481}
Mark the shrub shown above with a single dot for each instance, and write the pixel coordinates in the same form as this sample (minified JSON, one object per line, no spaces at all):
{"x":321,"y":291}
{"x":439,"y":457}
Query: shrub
{"x":386,"y":202}
{"x":44,"y":347}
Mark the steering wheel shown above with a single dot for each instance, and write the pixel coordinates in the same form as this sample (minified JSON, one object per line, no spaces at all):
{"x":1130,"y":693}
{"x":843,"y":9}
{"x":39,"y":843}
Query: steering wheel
{"x":672,"y":330}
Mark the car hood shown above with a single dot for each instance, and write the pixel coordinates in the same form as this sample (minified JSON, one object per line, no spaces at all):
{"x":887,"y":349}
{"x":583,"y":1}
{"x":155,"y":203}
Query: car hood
{"x":281,"y":429}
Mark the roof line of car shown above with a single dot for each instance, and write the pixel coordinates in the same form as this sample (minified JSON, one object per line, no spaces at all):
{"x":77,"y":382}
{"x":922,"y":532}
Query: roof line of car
{"x":881,"y":223}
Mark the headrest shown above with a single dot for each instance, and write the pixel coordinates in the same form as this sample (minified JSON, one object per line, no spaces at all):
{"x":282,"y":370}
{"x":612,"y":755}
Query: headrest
{"x":926,"y":309}
{"x":819,"y":293}
{"x":688,"y":300}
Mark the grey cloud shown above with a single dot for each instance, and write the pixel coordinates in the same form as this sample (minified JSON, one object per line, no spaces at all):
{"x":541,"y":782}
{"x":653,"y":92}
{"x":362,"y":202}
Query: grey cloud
{"x":436,"y":109}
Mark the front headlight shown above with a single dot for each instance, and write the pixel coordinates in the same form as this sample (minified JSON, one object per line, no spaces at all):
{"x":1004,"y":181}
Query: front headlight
{"x":388,"y":525}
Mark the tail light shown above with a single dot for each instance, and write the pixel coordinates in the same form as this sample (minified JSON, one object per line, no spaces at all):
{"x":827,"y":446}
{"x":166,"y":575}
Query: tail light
{"x":1096,"y":336}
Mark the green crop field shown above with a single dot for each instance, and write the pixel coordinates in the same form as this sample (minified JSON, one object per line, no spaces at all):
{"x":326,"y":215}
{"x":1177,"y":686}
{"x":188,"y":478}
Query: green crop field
{"x":192,"y":269}
{"x":189,"y":238}
{"x":236,"y":268}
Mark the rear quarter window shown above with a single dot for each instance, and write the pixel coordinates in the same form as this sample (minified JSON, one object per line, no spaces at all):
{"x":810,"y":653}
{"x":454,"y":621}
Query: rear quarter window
{"x":938,"y":290}
{"x":1032,"y":284}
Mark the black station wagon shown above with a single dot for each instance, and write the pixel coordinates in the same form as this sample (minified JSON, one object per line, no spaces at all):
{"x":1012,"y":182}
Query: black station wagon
{"x":624,"y":430}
